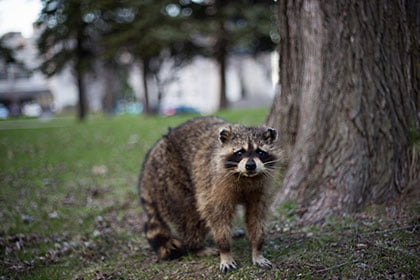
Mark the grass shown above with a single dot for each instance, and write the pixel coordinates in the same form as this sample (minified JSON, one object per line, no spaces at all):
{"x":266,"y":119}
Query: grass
{"x":69,"y":210}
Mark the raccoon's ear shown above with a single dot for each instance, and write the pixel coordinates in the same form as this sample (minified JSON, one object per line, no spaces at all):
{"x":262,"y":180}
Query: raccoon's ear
{"x":270,"y":135}
{"x":224,"y":134}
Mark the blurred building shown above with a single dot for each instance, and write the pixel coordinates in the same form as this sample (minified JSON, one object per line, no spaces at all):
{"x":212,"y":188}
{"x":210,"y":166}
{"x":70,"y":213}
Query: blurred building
{"x":22,"y":85}
{"x":19,"y":86}
{"x":196,"y":85}
{"x":249,"y":81}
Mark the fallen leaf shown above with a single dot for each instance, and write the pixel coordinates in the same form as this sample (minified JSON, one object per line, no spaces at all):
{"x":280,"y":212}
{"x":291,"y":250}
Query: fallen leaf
{"x":99,"y":170}
{"x":361,"y":246}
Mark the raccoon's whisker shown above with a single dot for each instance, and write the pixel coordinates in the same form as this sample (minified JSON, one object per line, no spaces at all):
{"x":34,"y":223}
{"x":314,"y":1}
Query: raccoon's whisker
{"x":230,"y":169}
{"x":239,"y":176}
{"x":222,"y":178}
{"x":232,"y":163}
{"x":276,"y":159}
{"x":225,"y":176}
{"x":272,"y":161}
{"x":268,"y":177}
{"x":270,"y":167}
{"x":268,"y":174}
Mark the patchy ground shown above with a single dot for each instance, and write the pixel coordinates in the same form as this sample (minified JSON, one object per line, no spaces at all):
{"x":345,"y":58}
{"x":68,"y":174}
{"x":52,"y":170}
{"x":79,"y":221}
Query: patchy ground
{"x":69,"y":210}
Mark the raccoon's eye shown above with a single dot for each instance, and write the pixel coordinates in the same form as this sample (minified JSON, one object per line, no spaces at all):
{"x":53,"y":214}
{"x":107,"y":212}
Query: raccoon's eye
{"x":239,"y":153}
{"x":262,"y":154}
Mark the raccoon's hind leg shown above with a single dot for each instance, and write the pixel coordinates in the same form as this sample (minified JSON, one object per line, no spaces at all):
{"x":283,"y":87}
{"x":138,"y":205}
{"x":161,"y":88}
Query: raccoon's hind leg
{"x":159,"y":235}
{"x":194,"y":233}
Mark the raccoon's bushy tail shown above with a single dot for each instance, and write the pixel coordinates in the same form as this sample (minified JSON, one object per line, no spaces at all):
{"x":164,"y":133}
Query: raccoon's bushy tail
{"x":159,"y":235}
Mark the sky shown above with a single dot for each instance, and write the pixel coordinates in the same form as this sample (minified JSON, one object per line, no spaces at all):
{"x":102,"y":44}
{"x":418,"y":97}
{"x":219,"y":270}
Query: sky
{"x":18,"y":15}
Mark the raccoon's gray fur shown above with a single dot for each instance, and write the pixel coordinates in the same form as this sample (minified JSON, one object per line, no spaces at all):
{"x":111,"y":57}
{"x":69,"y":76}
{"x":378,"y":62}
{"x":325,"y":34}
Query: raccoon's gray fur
{"x":193,"y":179}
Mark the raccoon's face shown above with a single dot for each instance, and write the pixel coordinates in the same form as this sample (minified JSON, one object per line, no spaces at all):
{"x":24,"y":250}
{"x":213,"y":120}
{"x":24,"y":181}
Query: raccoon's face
{"x":248,"y":151}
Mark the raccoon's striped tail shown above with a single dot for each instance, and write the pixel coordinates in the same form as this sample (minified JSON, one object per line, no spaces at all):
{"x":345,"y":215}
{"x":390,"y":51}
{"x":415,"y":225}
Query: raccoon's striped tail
{"x":159,"y":235}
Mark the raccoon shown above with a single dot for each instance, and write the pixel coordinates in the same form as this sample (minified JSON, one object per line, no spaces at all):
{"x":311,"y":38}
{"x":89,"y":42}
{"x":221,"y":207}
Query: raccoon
{"x":193,"y":179}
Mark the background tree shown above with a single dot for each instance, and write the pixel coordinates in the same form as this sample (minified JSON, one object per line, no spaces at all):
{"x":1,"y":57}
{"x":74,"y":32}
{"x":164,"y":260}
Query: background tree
{"x":227,"y":26}
{"x":7,"y":54}
{"x":348,"y":103}
{"x":77,"y":33}
{"x":67,"y":39}
{"x":11,"y":66}
{"x":116,"y":85}
{"x":149,"y":31}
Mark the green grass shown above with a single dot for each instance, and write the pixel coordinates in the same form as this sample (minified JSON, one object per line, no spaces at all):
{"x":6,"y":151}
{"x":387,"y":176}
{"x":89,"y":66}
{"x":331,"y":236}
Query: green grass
{"x":69,"y":210}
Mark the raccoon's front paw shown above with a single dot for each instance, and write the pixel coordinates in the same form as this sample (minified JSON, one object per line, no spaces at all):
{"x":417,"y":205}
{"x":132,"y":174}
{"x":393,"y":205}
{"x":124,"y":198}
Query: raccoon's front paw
{"x":262,"y":262}
{"x":228,"y":266}
{"x":227,"y":263}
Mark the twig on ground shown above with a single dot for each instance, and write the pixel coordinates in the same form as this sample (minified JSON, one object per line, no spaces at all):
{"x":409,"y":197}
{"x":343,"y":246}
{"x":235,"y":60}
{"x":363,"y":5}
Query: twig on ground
{"x":413,"y":227}
{"x":337,"y":266}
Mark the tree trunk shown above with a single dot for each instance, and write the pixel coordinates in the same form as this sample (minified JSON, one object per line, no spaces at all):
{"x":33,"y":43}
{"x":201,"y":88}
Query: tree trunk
{"x":241,"y":75}
{"x":221,"y":54}
{"x":145,"y":75}
{"x":82,"y":96}
{"x":159,"y":91}
{"x":110,"y":88}
{"x":222,"y":73}
{"x":80,"y":69}
{"x":347,"y":103}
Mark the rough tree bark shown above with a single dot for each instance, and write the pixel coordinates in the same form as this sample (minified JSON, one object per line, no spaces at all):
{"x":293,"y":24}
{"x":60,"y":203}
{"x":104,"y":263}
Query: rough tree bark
{"x":349,"y":98}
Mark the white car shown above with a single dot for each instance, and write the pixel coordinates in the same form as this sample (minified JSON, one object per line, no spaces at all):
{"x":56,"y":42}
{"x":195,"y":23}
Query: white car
{"x":32,"y":109}
{"x":4,"y":112}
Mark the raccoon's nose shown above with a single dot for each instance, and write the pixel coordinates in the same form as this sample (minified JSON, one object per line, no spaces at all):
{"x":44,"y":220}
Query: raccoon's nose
{"x":250,"y":165}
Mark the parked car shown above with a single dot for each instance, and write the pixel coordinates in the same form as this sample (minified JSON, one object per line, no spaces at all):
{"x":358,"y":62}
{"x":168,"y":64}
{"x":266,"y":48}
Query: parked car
{"x":128,"y":107}
{"x":180,"y":110}
{"x":4,"y":112}
{"x":32,"y":109}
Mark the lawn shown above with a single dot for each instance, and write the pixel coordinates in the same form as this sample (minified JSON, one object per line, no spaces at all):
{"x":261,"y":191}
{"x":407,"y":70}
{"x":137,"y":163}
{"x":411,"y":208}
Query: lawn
{"x":69,"y":210}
